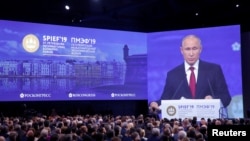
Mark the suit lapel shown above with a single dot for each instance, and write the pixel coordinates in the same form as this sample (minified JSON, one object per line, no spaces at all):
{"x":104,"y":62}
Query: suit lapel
{"x":200,"y":80}
{"x":186,"y":86}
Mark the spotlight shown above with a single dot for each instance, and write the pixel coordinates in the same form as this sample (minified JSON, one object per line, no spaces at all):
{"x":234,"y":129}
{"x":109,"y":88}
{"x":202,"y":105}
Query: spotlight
{"x":67,"y":7}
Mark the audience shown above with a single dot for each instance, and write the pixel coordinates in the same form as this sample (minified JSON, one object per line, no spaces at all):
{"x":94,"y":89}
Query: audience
{"x":107,"y":128}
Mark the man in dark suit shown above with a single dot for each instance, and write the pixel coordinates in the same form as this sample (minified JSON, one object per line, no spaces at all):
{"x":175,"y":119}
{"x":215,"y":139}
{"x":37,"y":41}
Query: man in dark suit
{"x":209,"y":81}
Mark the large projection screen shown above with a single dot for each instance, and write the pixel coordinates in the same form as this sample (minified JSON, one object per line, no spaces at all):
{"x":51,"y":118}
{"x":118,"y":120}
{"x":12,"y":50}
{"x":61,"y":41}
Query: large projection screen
{"x":221,"y":45}
{"x":50,"y":62}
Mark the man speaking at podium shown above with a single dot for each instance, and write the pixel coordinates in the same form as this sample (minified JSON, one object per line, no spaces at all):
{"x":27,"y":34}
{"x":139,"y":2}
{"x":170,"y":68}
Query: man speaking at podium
{"x":195,"y":78}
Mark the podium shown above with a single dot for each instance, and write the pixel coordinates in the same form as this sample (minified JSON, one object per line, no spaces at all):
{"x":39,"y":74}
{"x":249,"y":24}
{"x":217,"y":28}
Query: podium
{"x":188,"y":108}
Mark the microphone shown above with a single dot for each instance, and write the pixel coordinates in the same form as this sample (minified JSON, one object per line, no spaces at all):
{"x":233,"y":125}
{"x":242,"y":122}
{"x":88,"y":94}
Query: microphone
{"x":222,"y":110}
{"x":210,"y":88}
{"x":178,"y":88}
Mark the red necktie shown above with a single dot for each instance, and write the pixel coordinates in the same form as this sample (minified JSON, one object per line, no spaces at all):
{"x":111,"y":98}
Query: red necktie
{"x":192,"y":82}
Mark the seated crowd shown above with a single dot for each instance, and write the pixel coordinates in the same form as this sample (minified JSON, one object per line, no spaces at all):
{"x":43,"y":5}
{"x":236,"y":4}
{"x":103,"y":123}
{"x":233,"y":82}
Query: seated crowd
{"x":107,"y":128}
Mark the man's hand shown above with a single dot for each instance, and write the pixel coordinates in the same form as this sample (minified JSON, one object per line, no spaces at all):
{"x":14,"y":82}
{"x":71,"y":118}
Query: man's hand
{"x":208,"y":97}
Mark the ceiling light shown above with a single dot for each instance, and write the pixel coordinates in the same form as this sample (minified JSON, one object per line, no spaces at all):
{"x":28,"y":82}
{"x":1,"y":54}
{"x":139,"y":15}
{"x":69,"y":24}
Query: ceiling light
{"x":67,"y":7}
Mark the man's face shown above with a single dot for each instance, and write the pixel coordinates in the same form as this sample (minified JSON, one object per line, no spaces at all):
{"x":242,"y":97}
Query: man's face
{"x":191,"y":49}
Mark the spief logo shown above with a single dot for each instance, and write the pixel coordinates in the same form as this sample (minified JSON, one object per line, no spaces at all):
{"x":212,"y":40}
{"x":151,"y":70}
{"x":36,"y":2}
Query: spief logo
{"x":236,"y":46}
{"x":171,"y":110}
{"x":31,"y":43}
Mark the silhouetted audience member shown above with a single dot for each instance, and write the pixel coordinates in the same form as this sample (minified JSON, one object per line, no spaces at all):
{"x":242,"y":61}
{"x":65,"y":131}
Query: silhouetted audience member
{"x":154,"y":110}
{"x":155,"y":135}
{"x":12,"y":136}
{"x":84,"y":134}
{"x":115,"y":138}
{"x":181,"y":135}
{"x":2,"y":138}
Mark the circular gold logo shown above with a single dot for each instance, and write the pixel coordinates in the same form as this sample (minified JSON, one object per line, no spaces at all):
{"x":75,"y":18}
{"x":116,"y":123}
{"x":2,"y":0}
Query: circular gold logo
{"x":171,"y":110}
{"x":31,"y":43}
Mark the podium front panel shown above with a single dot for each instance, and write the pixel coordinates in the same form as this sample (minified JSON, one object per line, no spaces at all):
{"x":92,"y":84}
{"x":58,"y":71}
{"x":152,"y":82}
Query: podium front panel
{"x":188,"y":108}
